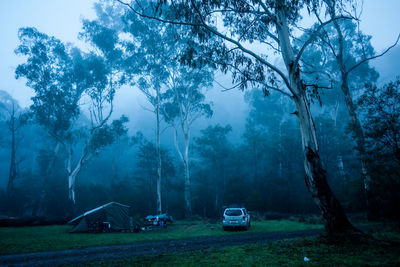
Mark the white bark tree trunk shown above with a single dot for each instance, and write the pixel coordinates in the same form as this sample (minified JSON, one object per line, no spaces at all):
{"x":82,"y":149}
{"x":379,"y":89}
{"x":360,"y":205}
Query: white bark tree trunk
{"x":185,"y":162}
{"x":334,"y":216}
{"x":355,"y":122}
{"x":72,"y":174}
{"x":159,"y":206}
{"x":188,"y":200}
{"x":360,"y":140}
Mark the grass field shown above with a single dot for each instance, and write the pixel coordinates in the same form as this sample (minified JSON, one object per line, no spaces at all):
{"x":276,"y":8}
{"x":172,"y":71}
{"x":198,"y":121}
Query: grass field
{"x":56,"y":237}
{"x":281,"y":253}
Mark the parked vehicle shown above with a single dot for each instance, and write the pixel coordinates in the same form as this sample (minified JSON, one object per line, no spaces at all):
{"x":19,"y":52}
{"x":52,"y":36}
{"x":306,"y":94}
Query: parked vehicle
{"x":236,"y":218}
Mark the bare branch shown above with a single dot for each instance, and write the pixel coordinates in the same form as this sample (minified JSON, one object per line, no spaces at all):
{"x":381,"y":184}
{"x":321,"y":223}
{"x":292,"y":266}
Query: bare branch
{"x":313,"y":36}
{"x":376,"y":56}
{"x":156,"y":18}
{"x":228,"y":88}
{"x":278,"y":90}
{"x":262,"y":83}
{"x":104,"y":120}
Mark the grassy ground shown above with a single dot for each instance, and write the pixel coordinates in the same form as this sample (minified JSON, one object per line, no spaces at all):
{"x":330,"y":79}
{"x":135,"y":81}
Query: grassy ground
{"x":45,"y":238}
{"x":281,"y":253}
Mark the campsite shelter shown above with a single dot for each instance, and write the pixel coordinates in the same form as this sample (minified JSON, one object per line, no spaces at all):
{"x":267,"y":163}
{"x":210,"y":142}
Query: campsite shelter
{"x":114,"y":214}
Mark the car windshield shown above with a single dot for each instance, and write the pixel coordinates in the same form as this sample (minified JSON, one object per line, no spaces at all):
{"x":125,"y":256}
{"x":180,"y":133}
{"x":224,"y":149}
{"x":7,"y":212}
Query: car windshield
{"x":233,"y":212}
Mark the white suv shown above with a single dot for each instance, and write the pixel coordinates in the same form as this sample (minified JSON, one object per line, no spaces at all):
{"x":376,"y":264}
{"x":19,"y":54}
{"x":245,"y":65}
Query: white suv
{"x":236,"y":217}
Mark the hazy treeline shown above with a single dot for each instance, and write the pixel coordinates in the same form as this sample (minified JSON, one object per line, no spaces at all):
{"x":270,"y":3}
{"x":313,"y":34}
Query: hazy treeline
{"x":64,"y":154}
{"x":263,"y":172}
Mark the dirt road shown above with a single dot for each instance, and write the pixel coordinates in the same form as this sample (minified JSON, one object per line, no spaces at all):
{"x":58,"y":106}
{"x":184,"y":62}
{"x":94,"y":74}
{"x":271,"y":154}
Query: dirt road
{"x":71,"y":256}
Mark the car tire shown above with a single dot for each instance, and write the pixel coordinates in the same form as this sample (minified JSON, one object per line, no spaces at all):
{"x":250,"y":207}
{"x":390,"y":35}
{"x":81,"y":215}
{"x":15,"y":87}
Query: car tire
{"x":224,"y":228}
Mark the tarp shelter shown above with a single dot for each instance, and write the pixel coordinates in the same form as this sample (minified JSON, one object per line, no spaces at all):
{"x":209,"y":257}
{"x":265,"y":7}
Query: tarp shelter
{"x":113,"y":214}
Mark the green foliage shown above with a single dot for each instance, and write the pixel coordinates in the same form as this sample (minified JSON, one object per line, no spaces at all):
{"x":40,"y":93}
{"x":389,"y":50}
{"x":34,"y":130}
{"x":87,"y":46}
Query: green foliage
{"x":382,"y":119}
{"x":107,"y":134}
{"x":213,"y":143}
{"x":62,"y":76}
{"x":119,"y":126}
{"x":215,"y":153}
{"x":381,"y":109}
{"x":49,"y":71}
{"x":270,"y":155}
{"x":104,"y":38}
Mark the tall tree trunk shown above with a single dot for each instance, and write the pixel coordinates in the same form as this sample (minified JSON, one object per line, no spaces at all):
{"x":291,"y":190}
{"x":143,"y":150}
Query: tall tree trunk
{"x":166,"y":195}
{"x":360,"y":140}
{"x":185,"y":162}
{"x":73,"y":173}
{"x":159,"y":207}
{"x":356,"y":125}
{"x":188,"y":203}
{"x":188,"y":199}
{"x":334,"y":216}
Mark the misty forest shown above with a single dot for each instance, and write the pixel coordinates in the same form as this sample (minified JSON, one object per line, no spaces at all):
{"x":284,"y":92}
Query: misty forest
{"x":275,"y":106}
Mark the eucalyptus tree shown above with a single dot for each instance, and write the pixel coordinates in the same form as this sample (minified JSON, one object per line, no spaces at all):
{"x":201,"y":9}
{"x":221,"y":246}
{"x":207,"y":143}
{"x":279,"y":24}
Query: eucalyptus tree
{"x":150,"y":61}
{"x":147,"y":53}
{"x":347,"y":56}
{"x":184,"y":104}
{"x":239,"y":25}
{"x":49,"y":71}
{"x":154,"y":42}
{"x":98,"y":74}
{"x":63,"y":77}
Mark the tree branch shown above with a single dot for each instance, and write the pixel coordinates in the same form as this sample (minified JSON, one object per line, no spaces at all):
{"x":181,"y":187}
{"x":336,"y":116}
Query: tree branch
{"x":373,"y":57}
{"x":313,"y":36}
{"x":217,"y":33}
{"x":226,"y":88}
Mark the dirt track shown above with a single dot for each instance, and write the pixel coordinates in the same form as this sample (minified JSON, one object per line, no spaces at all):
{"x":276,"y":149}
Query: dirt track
{"x":54,"y":258}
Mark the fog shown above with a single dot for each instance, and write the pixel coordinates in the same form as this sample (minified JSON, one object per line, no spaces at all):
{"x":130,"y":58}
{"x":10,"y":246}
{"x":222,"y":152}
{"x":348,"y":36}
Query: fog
{"x":70,"y":151}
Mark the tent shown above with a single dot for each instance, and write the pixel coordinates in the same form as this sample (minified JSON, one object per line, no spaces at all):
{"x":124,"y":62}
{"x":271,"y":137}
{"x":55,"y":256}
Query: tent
{"x":109,"y":217}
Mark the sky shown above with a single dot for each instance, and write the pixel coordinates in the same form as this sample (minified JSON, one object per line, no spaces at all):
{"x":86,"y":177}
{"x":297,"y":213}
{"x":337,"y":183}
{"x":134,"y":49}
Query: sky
{"x":62,"y":19}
